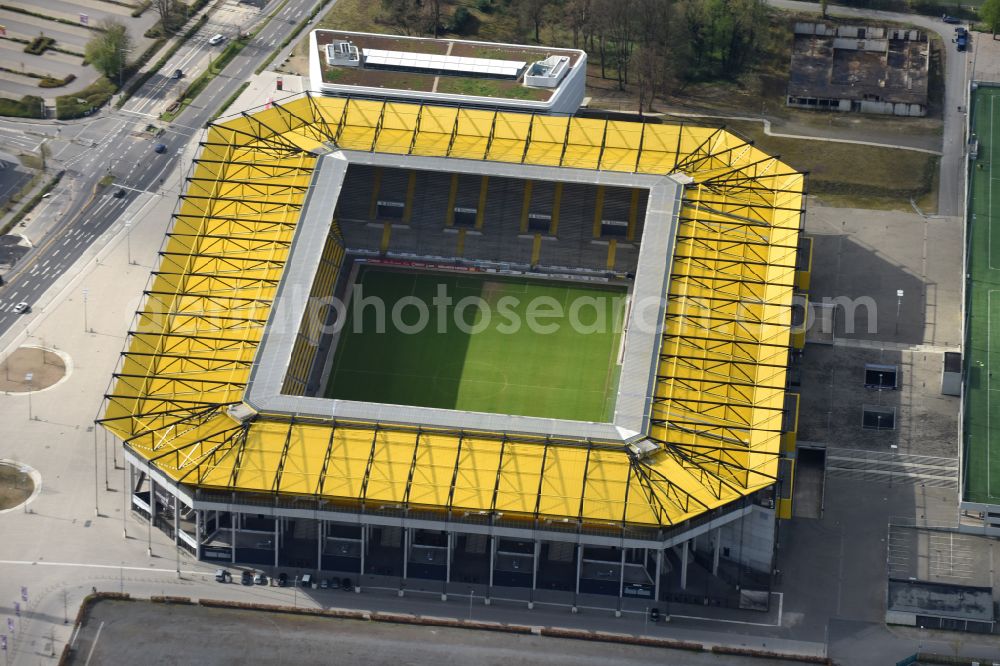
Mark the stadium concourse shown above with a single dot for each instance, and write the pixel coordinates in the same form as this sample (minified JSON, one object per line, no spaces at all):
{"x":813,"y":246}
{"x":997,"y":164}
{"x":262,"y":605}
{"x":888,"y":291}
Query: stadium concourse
{"x":242,"y":460}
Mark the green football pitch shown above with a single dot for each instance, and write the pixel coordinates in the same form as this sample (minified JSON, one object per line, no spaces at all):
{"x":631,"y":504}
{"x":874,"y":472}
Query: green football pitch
{"x":488,"y":363}
{"x":982,"y":411}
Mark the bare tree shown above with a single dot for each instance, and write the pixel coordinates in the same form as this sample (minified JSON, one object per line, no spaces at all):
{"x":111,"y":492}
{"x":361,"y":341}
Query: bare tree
{"x":166,"y":10}
{"x":578,"y":17}
{"x":404,"y":15}
{"x":535,"y":13}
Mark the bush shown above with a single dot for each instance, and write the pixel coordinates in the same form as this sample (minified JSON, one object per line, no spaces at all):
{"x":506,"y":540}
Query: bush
{"x":460,"y":20}
{"x":485,"y":6}
{"x":49,"y":82}
{"x":86,"y":101}
{"x":29,"y":106}
{"x":39,"y":45}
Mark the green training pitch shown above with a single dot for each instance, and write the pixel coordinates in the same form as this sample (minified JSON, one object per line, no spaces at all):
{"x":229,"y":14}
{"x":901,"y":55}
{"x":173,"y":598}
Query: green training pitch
{"x":491,"y":365}
{"x":982,"y":425}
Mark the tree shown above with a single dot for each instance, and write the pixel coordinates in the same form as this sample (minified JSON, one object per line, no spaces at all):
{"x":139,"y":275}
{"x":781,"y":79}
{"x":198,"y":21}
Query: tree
{"x":403,"y":15}
{"x":108,"y":50}
{"x":577,"y":16}
{"x":990,"y":11}
{"x":534,"y":12}
{"x":434,"y":9}
{"x":172,"y":14}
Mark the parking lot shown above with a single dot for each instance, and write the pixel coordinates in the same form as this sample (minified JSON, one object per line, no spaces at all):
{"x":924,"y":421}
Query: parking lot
{"x":71,"y":23}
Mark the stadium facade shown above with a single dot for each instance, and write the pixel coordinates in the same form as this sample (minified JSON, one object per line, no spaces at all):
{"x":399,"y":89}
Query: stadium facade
{"x":231,"y":451}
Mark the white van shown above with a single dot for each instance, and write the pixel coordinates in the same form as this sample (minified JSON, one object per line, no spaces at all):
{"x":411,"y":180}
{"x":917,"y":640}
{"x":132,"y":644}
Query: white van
{"x":217,"y":38}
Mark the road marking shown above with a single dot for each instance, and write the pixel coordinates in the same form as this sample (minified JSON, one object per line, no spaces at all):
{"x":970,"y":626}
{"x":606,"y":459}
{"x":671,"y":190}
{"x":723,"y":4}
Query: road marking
{"x":55,"y":253}
{"x":93,"y":645}
{"x":87,"y":565}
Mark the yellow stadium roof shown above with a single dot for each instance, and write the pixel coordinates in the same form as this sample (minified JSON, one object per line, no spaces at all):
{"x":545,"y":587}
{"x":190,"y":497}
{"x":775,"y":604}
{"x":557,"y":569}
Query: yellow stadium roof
{"x":719,"y":391}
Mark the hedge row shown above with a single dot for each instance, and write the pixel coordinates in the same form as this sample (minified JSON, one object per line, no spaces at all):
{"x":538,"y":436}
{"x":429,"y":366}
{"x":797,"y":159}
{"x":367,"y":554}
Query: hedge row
{"x":50,"y":82}
{"x":93,"y":97}
{"x":39,"y":45}
{"x":29,"y":106}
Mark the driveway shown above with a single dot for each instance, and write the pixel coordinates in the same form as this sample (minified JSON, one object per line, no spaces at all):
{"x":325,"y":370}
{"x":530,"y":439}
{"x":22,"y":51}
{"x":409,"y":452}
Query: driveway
{"x":951,"y":191}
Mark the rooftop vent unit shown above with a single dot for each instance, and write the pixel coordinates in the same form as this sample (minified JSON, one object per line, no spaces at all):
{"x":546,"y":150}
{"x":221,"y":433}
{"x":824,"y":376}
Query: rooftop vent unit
{"x":643,"y":448}
{"x":547,"y":73}
{"x":343,"y":54}
{"x":241,"y":412}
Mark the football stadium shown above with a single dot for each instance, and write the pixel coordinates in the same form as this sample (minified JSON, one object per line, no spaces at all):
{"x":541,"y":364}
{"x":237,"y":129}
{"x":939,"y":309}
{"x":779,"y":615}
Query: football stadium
{"x":493,"y":348}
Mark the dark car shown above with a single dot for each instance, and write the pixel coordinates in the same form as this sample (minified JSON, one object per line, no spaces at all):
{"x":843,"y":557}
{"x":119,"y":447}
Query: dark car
{"x":282,"y":579}
{"x":118,"y":194}
{"x":247,"y":578}
{"x":346,"y":584}
{"x":654,"y":614}
{"x":260,"y":579}
{"x":160,"y":148}
{"x":178,"y":74}
{"x":950,"y":19}
{"x":962,"y":40}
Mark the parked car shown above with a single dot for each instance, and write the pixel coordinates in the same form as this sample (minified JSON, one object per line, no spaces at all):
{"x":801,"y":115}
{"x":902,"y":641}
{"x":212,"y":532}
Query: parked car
{"x":247,"y":578}
{"x":950,"y":19}
{"x":259,"y":579}
{"x":22,"y":308}
{"x":346,"y":584}
{"x":222,"y":576}
{"x":962,"y":41}
{"x":324,"y":584}
{"x":306,"y":580}
{"x":654,"y":614}
{"x":160,"y":148}
{"x":335,"y":583}
{"x":217,"y":38}
{"x":282,"y":579}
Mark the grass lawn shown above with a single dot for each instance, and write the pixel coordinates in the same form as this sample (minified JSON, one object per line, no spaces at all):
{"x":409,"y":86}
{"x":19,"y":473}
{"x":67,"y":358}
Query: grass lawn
{"x":982,"y":463}
{"x":490,"y":366}
{"x":15,"y":486}
{"x":854,"y":175}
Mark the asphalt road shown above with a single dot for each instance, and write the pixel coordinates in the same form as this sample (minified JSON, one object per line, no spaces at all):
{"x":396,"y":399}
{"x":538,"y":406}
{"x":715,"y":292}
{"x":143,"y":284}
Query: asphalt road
{"x":114,"y":144}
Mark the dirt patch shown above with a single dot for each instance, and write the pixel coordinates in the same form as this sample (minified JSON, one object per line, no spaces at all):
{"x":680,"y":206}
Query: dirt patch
{"x":16,"y":486}
{"x":46,"y":368}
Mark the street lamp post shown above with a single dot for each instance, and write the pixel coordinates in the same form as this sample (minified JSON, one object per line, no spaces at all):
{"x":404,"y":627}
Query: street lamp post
{"x":899,"y":304}
{"x":85,"y":292}
{"x":128,"y":240}
{"x":28,"y":377}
